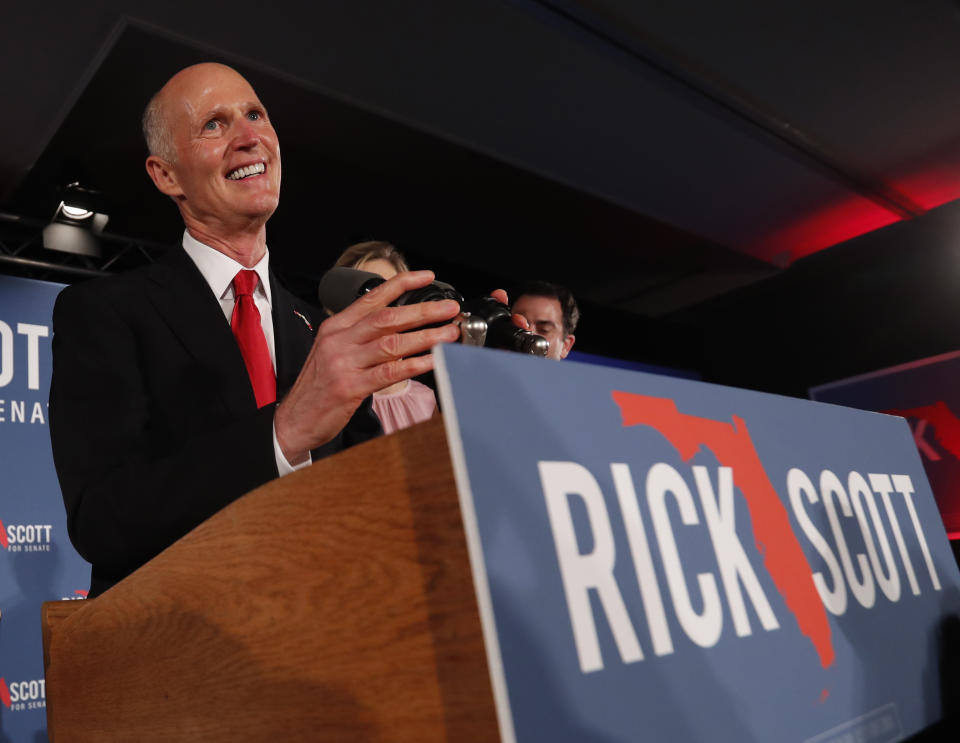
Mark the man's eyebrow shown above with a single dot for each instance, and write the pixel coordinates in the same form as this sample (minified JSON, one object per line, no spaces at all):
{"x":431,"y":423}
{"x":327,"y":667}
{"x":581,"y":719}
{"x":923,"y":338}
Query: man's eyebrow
{"x":221,"y":107}
{"x":211,"y":114}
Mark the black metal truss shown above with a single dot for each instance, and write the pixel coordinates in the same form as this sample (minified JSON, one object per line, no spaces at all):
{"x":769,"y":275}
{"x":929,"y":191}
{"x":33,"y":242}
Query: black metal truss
{"x":22,"y":253}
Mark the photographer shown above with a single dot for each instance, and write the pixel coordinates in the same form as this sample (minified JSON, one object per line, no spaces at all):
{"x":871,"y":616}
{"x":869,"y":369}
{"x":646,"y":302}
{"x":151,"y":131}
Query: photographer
{"x":551,"y":311}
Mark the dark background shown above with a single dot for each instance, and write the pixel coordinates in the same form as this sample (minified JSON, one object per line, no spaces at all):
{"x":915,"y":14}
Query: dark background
{"x":761,"y":192}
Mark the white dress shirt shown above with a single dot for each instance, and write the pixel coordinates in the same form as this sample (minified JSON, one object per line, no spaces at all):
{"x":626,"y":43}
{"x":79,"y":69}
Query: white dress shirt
{"x":219,"y":271}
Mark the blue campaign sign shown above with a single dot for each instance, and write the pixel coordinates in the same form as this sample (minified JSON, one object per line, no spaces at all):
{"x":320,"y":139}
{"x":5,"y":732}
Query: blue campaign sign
{"x":924,"y":392}
{"x":37,"y":562}
{"x":663,"y":559}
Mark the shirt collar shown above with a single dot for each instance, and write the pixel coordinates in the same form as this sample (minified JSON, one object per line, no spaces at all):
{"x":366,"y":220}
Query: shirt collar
{"x":219,"y":269}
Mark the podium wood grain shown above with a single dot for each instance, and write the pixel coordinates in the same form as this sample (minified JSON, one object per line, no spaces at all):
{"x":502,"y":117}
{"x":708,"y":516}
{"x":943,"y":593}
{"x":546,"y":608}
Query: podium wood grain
{"x":335,"y":604}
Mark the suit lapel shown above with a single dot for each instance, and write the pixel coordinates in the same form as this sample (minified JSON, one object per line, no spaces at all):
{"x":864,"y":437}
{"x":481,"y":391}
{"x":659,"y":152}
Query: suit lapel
{"x":183,"y":299}
{"x":293,"y":331}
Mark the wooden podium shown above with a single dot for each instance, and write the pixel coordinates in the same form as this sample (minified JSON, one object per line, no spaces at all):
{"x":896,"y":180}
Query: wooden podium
{"x":334,"y":604}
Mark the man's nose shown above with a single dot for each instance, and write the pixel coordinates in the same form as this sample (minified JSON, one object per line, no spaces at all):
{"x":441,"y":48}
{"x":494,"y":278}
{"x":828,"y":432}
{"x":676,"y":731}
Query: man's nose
{"x":246,"y":135}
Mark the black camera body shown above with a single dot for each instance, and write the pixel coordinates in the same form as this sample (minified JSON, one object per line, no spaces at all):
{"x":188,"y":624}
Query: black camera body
{"x":483,"y":321}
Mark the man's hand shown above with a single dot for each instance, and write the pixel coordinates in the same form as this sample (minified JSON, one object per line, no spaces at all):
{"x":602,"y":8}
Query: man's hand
{"x":357,"y":352}
{"x":519,"y":320}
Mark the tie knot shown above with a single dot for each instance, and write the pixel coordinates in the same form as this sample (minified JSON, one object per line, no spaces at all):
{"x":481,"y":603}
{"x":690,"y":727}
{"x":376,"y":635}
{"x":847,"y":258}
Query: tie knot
{"x":244,"y":282}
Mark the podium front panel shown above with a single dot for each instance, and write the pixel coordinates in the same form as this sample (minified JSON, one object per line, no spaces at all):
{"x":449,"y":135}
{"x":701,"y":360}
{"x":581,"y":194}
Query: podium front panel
{"x":665,"y":559}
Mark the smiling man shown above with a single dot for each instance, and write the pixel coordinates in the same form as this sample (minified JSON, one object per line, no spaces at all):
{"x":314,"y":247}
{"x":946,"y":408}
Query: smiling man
{"x":214,"y":151}
{"x":166,"y":381}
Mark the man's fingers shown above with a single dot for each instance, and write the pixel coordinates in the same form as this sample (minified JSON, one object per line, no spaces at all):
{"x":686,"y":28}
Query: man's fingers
{"x":389,"y":320}
{"x":519,"y":320}
{"x":381,"y":296}
{"x":386,"y":374}
{"x":393,"y":346}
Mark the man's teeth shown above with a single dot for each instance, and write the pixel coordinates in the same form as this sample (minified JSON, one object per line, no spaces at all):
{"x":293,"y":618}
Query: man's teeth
{"x":249,"y":170}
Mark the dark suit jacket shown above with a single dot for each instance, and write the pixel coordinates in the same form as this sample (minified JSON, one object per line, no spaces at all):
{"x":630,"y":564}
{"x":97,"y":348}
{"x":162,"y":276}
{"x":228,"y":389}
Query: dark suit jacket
{"x":152,"y":416}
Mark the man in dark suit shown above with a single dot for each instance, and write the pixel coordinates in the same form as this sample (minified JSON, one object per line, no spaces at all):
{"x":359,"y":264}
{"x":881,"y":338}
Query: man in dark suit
{"x":163,"y":402}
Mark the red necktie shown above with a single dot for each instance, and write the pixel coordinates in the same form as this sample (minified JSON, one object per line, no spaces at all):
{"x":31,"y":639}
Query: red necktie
{"x":249,"y":334}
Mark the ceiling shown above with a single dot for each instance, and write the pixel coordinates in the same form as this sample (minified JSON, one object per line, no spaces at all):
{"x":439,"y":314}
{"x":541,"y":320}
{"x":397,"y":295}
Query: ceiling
{"x":649,"y":155}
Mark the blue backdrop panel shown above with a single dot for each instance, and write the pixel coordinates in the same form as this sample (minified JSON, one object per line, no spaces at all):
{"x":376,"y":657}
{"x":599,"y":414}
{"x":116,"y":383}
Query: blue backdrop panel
{"x":926,"y":393}
{"x":663,"y":559}
{"x":37,"y":562}
{"x":590,"y":358}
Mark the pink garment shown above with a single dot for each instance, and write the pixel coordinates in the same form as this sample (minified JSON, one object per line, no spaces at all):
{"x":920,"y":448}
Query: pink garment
{"x":396,"y":410}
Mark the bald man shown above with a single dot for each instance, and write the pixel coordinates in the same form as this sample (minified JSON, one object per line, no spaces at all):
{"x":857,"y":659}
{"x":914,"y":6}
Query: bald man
{"x":180,"y":386}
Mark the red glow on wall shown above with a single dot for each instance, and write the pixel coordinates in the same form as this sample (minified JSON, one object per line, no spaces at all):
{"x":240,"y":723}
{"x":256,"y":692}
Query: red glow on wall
{"x":927,"y":185}
{"x":829,"y":226}
{"x":934,"y":186}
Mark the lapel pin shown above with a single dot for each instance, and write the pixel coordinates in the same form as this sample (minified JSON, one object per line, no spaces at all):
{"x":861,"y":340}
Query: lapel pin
{"x":305,"y":320}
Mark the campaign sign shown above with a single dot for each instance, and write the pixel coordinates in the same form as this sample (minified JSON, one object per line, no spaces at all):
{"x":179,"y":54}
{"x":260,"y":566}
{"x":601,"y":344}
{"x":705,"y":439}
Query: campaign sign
{"x":37,"y":561}
{"x":926,"y":393}
{"x":662,"y":559}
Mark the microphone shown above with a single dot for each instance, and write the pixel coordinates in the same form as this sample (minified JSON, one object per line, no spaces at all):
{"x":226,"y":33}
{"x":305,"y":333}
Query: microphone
{"x":341,"y":286}
{"x":483,"y":321}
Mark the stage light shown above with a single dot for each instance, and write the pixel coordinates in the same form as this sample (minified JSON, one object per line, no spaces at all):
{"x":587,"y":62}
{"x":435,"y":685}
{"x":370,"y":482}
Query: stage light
{"x":76,"y":223}
{"x":76,"y":213}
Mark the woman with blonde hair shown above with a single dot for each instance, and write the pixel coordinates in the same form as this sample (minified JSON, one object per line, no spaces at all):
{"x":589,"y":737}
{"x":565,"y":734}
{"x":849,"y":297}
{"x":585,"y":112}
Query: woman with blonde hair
{"x":407,"y":402}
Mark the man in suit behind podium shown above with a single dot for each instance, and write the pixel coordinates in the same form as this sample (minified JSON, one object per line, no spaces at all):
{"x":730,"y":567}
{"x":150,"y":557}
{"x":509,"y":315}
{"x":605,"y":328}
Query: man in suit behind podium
{"x":166,"y":380}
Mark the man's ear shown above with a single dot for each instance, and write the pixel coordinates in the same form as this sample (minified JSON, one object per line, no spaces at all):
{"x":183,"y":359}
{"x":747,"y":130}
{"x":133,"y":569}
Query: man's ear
{"x":163,"y":176}
{"x":567,"y":345}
